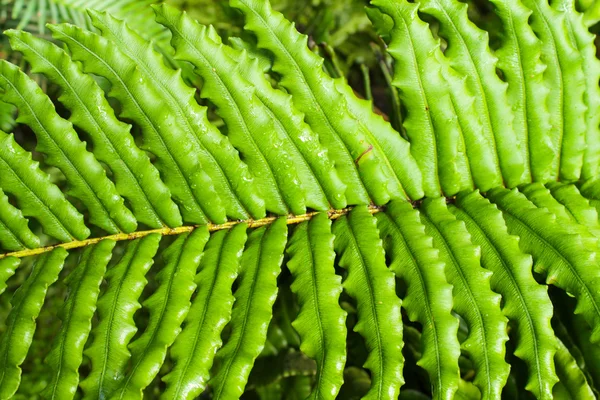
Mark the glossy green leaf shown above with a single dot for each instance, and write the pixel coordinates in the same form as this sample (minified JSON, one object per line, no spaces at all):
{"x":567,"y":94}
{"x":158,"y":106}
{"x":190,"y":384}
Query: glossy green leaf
{"x":126,"y":134}
{"x":573,"y":199}
{"x":564,"y":70}
{"x":291,"y":165}
{"x":8,"y":266}
{"x":63,"y":149}
{"x":519,"y":61}
{"x":584,"y":43}
{"x":591,"y":191}
{"x":252,"y":310}
{"x":591,"y":11}
{"x":194,"y":349}
{"x":108,"y":351}
{"x":21,"y":321}
{"x":372,"y":285}
{"x":580,"y":332}
{"x":374,"y":163}
{"x":233,"y":181}
{"x":113,"y":144}
{"x":175,"y":152}
{"x":66,"y":354}
{"x":428,"y":298}
{"x":468,"y":52}
{"x":474,"y":300}
{"x":431,"y":122}
{"x":316,"y":171}
{"x":321,"y":320}
{"x":37,"y":197}
{"x":246,"y":117}
{"x":525,"y":302}
{"x":572,"y":384}
{"x":14,"y":231}
{"x":577,"y":206}
{"x":168,"y":307}
{"x":570,"y":209}
{"x":559,"y":251}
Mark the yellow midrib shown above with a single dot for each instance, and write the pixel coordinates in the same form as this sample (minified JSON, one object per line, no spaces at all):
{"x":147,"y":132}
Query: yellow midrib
{"x":291,"y":219}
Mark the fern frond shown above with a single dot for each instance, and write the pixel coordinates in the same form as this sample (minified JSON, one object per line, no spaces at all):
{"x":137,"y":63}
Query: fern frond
{"x":168,"y":307}
{"x":262,"y":57}
{"x":396,"y":150}
{"x":541,"y":196}
{"x":591,"y":191}
{"x":233,"y":181}
{"x":372,"y":285}
{"x":431,"y":123}
{"x":487,"y":191}
{"x":8,"y":266}
{"x":564,"y":70}
{"x":112,"y":143}
{"x":572,"y":384}
{"x":7,"y":114}
{"x":14,"y":232}
{"x":273,"y":157}
{"x":163,"y":136}
{"x":577,"y":206}
{"x":63,"y":149}
{"x":428,"y":298}
{"x":558,"y":251}
{"x":252,"y":310}
{"x":194,"y":350}
{"x":579,"y":333}
{"x":519,"y":60}
{"x":468,"y":52}
{"x":474,"y":301}
{"x":479,"y":144}
{"x":373,"y":163}
{"x":315,"y":169}
{"x":526,"y":303}
{"x":66,"y":354}
{"x":20,"y":323}
{"x":37,"y":197}
{"x":108,"y":350}
{"x":321,"y":321}
{"x":584,"y":43}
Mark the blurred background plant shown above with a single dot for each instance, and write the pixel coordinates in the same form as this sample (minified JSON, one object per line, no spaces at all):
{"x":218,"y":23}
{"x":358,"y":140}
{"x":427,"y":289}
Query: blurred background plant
{"x":33,"y":15}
